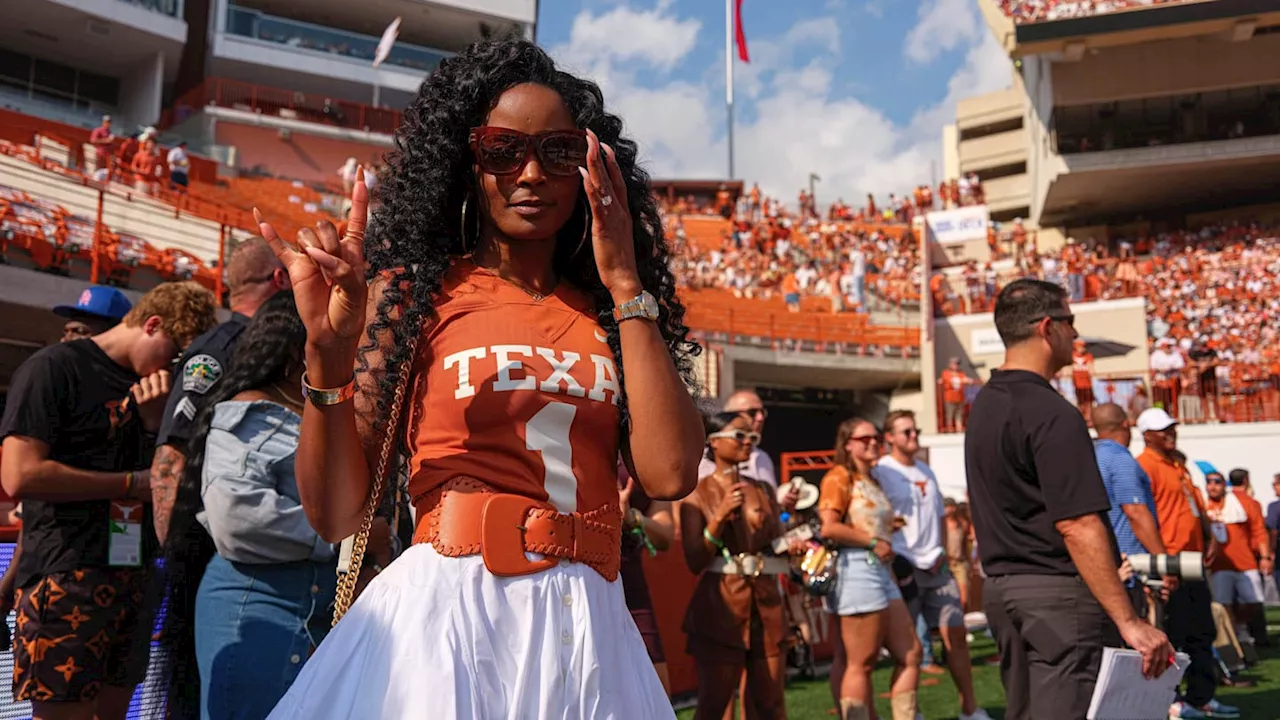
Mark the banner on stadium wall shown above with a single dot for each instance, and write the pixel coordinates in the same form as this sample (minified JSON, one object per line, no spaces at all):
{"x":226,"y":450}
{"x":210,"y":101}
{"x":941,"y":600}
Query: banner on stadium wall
{"x":949,"y":227}
{"x":985,"y":341}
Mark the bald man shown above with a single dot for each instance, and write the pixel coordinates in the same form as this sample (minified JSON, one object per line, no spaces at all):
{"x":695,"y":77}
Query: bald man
{"x":759,"y":466}
{"x":254,"y":275}
{"x":1133,"y":505}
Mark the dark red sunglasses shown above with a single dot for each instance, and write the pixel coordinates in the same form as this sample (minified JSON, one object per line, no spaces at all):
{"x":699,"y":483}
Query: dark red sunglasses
{"x":500,"y":151}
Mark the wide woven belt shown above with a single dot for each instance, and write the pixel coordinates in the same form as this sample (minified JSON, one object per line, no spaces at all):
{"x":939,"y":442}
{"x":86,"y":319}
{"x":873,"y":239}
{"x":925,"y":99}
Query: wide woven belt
{"x":466,"y":517}
{"x":749,"y":565}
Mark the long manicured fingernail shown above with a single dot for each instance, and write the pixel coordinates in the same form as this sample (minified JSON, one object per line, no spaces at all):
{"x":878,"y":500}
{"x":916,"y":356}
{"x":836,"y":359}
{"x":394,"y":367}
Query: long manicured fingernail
{"x":257,"y":216}
{"x":359,"y":173}
{"x":583,"y":171}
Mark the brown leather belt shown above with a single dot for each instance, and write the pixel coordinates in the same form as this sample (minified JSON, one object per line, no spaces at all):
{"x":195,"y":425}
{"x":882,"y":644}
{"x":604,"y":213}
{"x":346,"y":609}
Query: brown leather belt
{"x":466,"y":517}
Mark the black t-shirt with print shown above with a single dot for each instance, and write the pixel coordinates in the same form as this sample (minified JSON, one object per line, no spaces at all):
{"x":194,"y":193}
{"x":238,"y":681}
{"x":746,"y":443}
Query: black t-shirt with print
{"x":75,"y":399}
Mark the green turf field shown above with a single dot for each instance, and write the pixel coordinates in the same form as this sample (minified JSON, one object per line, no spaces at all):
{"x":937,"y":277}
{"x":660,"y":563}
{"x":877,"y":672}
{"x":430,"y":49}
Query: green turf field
{"x":812,"y":699}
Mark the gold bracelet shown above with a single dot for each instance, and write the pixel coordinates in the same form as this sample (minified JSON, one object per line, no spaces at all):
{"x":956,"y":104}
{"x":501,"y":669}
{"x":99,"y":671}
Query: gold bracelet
{"x":323,"y":397}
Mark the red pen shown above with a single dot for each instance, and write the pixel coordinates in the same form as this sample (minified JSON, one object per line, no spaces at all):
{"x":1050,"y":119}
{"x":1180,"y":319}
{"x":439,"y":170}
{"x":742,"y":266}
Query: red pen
{"x":1172,"y":660}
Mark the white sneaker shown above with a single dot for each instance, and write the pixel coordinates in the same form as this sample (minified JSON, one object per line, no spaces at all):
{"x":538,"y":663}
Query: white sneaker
{"x":977,"y":714}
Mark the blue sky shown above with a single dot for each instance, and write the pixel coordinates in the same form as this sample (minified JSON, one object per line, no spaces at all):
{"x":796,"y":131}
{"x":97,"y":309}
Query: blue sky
{"x":855,"y":90}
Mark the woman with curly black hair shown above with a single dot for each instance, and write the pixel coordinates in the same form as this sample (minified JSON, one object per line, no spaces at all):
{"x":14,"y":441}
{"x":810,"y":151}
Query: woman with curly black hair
{"x":518,"y":266}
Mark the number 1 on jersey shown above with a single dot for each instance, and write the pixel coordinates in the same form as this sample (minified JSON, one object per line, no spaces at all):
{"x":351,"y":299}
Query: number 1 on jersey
{"x":547,"y":433}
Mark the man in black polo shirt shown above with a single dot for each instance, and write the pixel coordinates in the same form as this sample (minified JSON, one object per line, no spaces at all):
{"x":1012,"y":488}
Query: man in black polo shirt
{"x":1053,"y":595}
{"x":254,"y":276}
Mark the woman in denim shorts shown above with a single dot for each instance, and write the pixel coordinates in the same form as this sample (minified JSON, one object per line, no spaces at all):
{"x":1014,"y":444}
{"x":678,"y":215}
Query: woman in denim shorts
{"x":866,"y":601}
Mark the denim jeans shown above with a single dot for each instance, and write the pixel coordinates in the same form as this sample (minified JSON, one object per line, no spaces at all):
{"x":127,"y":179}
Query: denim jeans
{"x":255,"y":627}
{"x":926,"y":640}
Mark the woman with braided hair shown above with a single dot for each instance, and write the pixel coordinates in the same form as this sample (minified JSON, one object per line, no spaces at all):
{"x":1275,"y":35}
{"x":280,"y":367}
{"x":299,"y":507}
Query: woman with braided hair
{"x":517,"y":266}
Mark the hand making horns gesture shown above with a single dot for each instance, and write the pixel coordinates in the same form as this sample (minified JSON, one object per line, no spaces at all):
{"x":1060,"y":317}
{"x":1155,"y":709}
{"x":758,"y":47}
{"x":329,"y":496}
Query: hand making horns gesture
{"x":328,"y":274}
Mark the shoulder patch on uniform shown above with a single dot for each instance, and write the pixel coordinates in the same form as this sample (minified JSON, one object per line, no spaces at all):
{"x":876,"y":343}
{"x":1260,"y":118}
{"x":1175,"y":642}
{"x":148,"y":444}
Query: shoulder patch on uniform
{"x":200,"y":373}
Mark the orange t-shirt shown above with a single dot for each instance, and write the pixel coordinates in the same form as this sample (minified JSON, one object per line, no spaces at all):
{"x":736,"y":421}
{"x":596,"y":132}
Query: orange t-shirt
{"x":953,"y":382}
{"x":1177,"y":503}
{"x":1244,"y":534}
{"x":1080,"y":363}
{"x":518,"y":393}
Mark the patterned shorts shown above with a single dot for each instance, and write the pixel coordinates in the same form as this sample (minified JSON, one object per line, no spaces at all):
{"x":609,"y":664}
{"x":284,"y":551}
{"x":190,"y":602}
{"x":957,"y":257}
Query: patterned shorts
{"x":77,"y":631}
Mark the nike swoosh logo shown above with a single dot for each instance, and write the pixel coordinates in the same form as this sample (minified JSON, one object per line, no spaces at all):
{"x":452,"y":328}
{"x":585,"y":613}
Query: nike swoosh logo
{"x":601,"y":336}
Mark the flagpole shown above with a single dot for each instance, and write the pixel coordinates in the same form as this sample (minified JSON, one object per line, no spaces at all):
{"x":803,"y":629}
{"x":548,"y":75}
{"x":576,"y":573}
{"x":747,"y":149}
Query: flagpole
{"x":728,"y":75}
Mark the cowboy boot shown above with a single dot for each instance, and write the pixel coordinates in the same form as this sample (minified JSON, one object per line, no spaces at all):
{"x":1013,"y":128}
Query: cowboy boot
{"x":854,"y":710}
{"x":904,"y":706}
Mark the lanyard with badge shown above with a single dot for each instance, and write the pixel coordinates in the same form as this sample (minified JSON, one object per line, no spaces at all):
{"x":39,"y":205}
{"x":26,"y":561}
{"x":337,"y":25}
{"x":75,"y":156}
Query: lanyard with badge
{"x":124,"y":547}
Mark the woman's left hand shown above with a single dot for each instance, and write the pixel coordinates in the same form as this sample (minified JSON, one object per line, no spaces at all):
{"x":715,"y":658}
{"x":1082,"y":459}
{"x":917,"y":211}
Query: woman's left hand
{"x":612,"y":239}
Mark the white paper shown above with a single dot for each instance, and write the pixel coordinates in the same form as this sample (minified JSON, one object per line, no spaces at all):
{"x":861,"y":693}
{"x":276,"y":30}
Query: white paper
{"x":1122,"y":693}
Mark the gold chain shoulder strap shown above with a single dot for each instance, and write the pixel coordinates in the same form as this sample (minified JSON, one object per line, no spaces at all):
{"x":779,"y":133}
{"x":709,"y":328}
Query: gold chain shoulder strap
{"x":347,"y":581}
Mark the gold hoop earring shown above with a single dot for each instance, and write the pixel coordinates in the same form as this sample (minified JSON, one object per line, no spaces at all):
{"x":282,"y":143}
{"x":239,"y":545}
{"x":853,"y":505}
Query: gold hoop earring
{"x":462,"y":227}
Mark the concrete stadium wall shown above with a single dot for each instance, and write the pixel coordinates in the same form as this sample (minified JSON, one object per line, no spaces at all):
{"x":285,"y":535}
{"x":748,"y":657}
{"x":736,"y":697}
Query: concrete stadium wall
{"x":1247,"y":445}
{"x":1160,"y":69}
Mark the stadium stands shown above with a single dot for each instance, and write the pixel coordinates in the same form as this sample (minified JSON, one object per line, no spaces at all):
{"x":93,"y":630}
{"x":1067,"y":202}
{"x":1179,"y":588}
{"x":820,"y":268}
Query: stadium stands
{"x":1032,"y":11}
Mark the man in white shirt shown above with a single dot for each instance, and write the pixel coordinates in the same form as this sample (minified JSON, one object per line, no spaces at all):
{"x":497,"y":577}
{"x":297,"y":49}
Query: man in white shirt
{"x":913,"y":490}
{"x":179,"y":165}
{"x":758,"y":466}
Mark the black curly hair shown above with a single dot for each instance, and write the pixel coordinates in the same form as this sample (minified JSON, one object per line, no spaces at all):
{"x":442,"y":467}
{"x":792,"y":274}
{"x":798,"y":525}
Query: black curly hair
{"x":268,"y":352}
{"x":414,"y":237}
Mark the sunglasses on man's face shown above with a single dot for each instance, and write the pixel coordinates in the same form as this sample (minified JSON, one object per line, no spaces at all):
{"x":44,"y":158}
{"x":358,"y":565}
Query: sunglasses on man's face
{"x":738,"y":436}
{"x":500,"y":151}
{"x":1214,"y":481}
{"x":1067,"y":318}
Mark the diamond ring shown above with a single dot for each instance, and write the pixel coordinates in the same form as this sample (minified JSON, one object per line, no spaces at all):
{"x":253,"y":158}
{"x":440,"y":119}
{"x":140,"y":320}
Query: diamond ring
{"x":606,"y":200}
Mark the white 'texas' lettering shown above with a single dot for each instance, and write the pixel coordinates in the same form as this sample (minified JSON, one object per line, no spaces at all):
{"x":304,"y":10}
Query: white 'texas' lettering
{"x":606,"y":379}
{"x":560,"y":373}
{"x":502,"y":354}
{"x":463,"y":361}
{"x":513,"y":374}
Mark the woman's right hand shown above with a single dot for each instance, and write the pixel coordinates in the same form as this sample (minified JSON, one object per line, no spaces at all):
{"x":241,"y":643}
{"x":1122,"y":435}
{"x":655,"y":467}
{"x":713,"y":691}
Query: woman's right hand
{"x":328,"y":277}
{"x":731,"y":502}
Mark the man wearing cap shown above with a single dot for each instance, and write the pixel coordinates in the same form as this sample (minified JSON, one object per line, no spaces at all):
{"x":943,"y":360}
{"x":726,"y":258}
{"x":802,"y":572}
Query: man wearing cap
{"x":78,"y":432}
{"x":913,"y":490}
{"x":254,"y":275}
{"x":1188,"y":617}
{"x":98,"y":309}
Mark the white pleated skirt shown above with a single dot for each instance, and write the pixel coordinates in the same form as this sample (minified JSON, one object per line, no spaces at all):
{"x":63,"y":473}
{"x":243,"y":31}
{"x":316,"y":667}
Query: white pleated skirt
{"x":442,"y":638}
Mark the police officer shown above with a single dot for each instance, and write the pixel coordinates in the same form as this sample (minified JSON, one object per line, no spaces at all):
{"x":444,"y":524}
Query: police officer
{"x":254,"y":275}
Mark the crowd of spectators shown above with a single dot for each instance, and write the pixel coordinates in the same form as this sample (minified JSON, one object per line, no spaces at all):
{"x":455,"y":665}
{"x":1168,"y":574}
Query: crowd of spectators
{"x":1213,"y":303}
{"x":1032,"y":11}
{"x":858,"y":258}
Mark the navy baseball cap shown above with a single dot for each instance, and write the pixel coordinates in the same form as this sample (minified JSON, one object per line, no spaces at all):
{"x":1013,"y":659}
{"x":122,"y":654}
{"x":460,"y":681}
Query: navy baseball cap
{"x":98,"y":301}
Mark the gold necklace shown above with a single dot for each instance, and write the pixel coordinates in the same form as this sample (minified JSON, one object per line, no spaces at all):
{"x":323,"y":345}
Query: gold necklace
{"x":537,"y":296}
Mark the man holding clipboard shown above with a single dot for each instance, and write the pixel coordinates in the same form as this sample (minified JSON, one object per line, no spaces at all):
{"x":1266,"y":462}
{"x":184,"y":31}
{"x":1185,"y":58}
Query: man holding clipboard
{"x":1053,"y":596}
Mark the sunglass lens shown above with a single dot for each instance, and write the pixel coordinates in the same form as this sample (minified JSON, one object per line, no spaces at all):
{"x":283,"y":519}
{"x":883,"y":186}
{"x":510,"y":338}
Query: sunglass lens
{"x":501,"y":154}
{"x":563,"y":154}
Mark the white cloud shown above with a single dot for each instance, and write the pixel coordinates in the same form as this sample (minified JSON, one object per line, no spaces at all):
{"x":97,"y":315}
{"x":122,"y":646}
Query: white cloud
{"x":649,"y":36}
{"x":791,"y":121}
{"x":943,"y":26}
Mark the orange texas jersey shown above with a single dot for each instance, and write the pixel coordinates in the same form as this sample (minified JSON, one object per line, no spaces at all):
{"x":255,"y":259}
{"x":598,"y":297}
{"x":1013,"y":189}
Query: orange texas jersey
{"x":521,"y":394}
